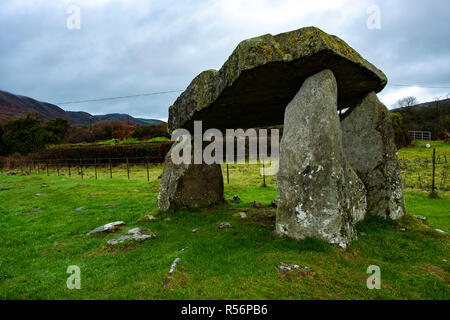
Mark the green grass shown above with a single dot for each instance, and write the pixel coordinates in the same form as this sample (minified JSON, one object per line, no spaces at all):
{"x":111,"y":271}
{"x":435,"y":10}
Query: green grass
{"x":36,"y":247}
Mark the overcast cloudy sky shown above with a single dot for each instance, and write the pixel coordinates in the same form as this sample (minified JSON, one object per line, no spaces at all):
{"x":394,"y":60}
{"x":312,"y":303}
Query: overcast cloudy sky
{"x":134,"y":46}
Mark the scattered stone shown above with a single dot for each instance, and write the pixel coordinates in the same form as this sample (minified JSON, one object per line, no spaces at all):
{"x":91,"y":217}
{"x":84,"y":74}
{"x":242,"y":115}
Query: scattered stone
{"x":236,"y":199}
{"x":403,"y":229}
{"x":167,"y":219}
{"x":320,"y":196}
{"x":110,"y":228}
{"x":33,"y":211}
{"x":148,"y":217}
{"x":190,"y":185}
{"x":243,"y":215}
{"x":363,"y":234}
{"x":224,"y":225}
{"x":274,"y":203}
{"x":256,"y":204}
{"x":440,"y":231}
{"x":79,"y":209}
{"x":420,"y":217}
{"x":171,"y":271}
{"x":44,"y":185}
{"x":369,"y":145}
{"x":136,"y":235}
{"x":194,"y":230}
{"x":41,"y":195}
{"x":286,"y":267}
{"x":183,"y":250}
{"x":110,"y":205}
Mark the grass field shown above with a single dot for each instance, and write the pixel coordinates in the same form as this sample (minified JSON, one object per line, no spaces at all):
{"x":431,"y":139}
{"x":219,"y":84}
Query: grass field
{"x":41,"y":236}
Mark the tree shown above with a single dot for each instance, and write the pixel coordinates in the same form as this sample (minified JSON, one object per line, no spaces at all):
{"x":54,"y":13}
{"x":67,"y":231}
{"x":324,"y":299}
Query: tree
{"x":25,"y":135}
{"x":402,"y":138}
{"x":57,"y":129}
{"x":4,"y":150}
{"x":406,"y":102}
{"x":149,"y":132}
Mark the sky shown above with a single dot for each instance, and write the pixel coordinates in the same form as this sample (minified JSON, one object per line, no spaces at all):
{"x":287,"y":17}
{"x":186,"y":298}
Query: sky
{"x":62,"y":51}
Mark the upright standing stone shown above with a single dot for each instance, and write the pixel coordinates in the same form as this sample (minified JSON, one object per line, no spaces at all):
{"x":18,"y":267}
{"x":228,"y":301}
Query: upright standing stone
{"x":368,"y":139}
{"x":190,"y":185}
{"x":319,"y":194}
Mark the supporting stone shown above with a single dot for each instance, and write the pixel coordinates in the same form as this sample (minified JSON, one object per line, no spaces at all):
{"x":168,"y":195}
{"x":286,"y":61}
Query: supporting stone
{"x":190,"y":185}
{"x":319,"y":193}
{"x":368,"y":139}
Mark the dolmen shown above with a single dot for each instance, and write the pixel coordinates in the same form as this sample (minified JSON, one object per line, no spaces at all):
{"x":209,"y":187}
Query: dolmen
{"x":337,"y":158}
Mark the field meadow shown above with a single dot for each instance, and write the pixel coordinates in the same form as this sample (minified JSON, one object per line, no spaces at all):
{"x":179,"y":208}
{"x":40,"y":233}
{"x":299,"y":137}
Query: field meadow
{"x":44,"y":221}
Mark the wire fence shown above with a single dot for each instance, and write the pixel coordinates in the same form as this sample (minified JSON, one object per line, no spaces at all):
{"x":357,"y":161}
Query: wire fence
{"x":416,"y":173}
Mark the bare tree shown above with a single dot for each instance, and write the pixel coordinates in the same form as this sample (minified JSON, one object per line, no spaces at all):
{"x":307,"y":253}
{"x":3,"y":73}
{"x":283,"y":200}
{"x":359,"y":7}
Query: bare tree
{"x":406,"y":102}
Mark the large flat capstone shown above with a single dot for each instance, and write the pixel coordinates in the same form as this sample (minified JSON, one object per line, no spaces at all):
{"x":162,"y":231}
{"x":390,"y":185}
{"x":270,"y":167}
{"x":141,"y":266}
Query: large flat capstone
{"x":263,"y":74}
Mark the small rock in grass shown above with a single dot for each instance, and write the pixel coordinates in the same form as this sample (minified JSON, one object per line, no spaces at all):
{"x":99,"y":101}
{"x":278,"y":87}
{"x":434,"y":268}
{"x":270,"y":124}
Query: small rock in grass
{"x":274,"y":203}
{"x":420,"y":217}
{"x":136,"y":234}
{"x":110,"y":227}
{"x":224,"y":225}
{"x":41,"y":195}
{"x":183,"y":250}
{"x":440,"y":231}
{"x":243,"y":215}
{"x":148,"y":217}
{"x":286,"y":267}
{"x":236,"y":199}
{"x":79,"y":209}
{"x":44,"y":185}
{"x":194,"y":230}
{"x":167,"y":219}
{"x":256,"y":204}
{"x":171,"y":271}
{"x":403,"y":229}
{"x":363,"y":234}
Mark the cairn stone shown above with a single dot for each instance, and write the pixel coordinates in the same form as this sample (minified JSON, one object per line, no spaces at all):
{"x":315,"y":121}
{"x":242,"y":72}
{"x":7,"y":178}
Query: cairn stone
{"x":190,"y":185}
{"x":319,"y":194}
{"x":368,"y":139}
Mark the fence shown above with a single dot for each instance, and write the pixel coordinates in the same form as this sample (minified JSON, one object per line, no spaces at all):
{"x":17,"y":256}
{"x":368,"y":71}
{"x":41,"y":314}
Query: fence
{"x":418,"y":173}
{"x":420,"y":135}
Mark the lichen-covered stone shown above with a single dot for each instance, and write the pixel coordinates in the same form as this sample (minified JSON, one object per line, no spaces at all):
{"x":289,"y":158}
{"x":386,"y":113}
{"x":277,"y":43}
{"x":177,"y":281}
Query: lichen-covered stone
{"x":190,"y":185}
{"x":109,"y":227}
{"x":319,"y":194}
{"x":263,"y":74}
{"x":368,"y":139}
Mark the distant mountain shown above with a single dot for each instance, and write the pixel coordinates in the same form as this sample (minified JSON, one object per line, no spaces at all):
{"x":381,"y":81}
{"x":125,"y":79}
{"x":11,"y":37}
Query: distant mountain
{"x":440,"y":103}
{"x":15,"y":106}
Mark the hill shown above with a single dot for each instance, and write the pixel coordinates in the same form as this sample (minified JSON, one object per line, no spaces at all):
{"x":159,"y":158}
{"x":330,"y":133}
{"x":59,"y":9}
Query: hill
{"x":431,"y":116}
{"x":16,"y":106}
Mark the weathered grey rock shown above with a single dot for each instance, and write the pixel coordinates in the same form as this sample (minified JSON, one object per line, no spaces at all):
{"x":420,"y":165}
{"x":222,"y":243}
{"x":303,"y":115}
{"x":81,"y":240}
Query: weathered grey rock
{"x":440,"y":231}
{"x":274,"y":203}
{"x":319,"y":194}
{"x":224,"y":225}
{"x":79,"y":209}
{"x":136,"y":235}
{"x":263,"y":74}
{"x":368,"y":139}
{"x":286,"y":267}
{"x":236,"y":199}
{"x":173,"y":266}
{"x":109,"y":227}
{"x":148,"y":217}
{"x":243,"y":215}
{"x":256,"y":204}
{"x":41,"y":195}
{"x":194,"y":230}
{"x":420,"y":217}
{"x":190,"y":185}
